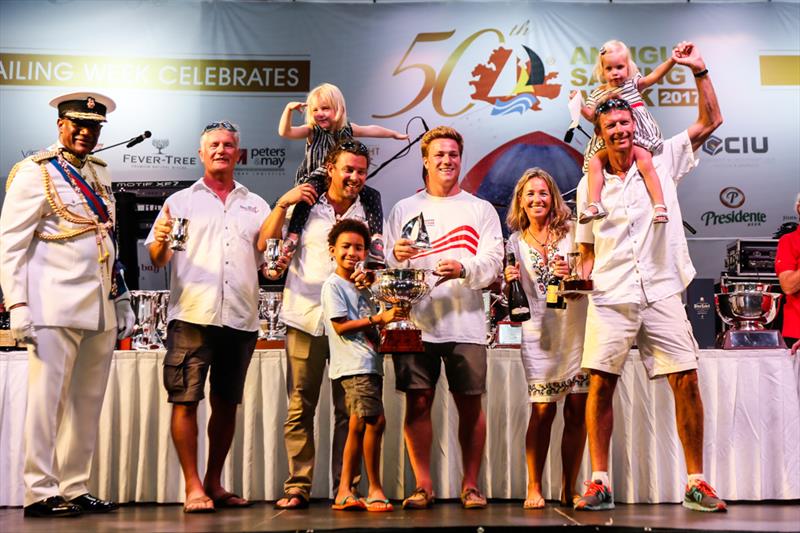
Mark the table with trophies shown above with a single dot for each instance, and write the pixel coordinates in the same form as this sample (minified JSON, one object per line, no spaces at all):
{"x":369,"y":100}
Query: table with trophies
{"x":751,"y":400}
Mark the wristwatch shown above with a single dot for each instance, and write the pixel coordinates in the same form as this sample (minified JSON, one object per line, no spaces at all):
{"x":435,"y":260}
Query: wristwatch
{"x":463,"y":273}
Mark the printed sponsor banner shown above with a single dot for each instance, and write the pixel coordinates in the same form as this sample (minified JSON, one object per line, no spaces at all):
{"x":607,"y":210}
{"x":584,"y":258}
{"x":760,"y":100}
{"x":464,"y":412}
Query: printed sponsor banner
{"x":499,"y":73}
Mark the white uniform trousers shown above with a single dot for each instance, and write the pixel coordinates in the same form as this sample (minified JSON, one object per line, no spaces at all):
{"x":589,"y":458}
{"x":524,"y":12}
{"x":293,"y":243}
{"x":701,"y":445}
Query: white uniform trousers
{"x":67,"y":377}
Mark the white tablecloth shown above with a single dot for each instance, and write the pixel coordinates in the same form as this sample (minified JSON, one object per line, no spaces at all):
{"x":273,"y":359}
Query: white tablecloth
{"x":752,"y":432}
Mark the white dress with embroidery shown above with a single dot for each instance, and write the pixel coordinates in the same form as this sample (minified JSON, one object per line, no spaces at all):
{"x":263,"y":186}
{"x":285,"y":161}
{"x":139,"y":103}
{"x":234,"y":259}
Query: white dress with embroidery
{"x":552,"y":340}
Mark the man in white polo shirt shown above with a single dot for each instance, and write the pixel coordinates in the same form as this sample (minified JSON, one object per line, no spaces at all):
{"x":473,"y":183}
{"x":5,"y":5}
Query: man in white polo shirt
{"x":640,"y":270}
{"x":306,"y":343}
{"x":212,"y":315}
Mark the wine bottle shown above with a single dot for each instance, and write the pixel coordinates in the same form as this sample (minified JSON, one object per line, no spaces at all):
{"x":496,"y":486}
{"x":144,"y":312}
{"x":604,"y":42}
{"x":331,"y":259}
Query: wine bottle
{"x":518,"y":308}
{"x":7,"y":342}
{"x":553,"y":299}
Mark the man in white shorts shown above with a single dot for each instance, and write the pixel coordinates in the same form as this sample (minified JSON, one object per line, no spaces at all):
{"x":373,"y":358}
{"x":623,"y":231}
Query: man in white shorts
{"x":640,"y":271}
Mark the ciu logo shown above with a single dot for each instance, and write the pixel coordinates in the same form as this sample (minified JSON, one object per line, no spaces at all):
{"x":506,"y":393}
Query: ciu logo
{"x":512,"y":79}
{"x":732,"y":197}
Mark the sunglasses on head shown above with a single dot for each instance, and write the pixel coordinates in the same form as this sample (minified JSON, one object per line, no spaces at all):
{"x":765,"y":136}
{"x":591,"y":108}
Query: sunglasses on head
{"x":612,"y":103}
{"x":222,"y":125}
{"x":355,"y":147}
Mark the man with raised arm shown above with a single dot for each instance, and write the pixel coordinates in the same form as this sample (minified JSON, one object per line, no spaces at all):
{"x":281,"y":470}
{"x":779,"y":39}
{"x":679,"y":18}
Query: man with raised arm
{"x":640,"y":271}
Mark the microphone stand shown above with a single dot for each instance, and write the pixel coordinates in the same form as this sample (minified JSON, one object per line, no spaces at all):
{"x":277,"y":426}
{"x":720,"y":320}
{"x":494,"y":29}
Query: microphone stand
{"x":403,"y":151}
{"x":399,"y":154}
{"x":131,"y":140}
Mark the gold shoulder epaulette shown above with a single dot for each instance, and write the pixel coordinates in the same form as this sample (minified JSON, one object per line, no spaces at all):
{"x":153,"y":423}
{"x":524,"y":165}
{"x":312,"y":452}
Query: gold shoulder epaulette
{"x":97,"y":161}
{"x":43,"y":156}
{"x":13,"y":173}
{"x":36,"y":158}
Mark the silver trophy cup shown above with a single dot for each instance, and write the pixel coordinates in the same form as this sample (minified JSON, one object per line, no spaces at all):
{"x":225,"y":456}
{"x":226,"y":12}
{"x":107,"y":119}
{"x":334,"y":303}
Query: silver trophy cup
{"x":401,"y":287}
{"x":179,"y":234}
{"x":747,"y":308}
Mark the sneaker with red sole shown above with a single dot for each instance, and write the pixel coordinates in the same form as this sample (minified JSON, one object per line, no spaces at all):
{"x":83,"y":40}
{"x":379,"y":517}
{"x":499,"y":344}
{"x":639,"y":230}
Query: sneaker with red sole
{"x":598,"y":497}
{"x":701,"y":497}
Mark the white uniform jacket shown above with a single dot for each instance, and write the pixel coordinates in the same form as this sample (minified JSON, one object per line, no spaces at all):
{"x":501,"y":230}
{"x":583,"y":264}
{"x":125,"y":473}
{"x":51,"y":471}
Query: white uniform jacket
{"x":63,"y":281}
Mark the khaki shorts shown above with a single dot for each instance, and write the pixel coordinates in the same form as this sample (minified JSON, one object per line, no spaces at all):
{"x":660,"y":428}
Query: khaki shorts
{"x":192,"y":349}
{"x":363,"y":394}
{"x":464,"y":365}
{"x":661,"y":331}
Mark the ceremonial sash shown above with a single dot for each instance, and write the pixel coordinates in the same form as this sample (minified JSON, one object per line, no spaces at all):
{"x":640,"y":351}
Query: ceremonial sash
{"x":100,"y":209}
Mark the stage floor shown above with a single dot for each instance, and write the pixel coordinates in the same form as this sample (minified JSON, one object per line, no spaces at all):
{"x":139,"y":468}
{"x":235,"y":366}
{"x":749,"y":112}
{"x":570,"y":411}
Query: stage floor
{"x":151,"y":518}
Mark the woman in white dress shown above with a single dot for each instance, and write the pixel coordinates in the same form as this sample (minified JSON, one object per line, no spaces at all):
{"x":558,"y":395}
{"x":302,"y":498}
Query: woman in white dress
{"x":552,"y":340}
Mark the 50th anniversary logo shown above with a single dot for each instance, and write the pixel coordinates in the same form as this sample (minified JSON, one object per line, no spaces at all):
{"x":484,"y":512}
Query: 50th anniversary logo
{"x":512,"y":77}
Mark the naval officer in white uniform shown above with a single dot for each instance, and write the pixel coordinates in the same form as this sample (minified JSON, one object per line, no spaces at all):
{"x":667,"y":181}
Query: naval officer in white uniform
{"x":64,"y":288}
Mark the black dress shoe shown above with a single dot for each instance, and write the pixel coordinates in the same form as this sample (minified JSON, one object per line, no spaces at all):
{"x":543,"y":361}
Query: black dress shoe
{"x":52,"y":507}
{"x":90,"y":504}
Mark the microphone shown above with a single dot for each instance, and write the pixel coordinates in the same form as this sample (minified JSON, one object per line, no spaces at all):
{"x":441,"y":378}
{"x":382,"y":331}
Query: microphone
{"x":140,"y":138}
{"x":571,"y":133}
{"x":424,"y":124}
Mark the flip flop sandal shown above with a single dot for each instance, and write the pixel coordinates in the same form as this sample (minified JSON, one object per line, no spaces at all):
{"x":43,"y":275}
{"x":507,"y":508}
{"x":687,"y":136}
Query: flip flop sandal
{"x":377,"y":505}
{"x":349,"y":503}
{"x":197,"y":501}
{"x":228,"y":500}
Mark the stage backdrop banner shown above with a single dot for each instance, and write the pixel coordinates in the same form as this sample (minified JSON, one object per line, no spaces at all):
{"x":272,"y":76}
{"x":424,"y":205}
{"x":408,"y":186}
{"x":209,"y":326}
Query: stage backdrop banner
{"x":500,"y":73}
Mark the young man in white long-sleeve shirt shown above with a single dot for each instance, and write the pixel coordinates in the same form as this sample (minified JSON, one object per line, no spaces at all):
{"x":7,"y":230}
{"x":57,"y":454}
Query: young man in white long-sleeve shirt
{"x":467,"y":254}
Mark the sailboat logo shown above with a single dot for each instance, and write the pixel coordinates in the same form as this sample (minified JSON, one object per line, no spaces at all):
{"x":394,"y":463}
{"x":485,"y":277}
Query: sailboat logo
{"x":524,"y":93}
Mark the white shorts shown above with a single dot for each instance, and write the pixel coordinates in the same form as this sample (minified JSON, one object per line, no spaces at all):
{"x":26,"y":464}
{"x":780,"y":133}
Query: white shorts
{"x":661,"y":331}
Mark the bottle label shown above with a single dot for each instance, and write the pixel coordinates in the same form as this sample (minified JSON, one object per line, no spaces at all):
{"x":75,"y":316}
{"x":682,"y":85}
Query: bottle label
{"x":7,"y":339}
{"x":519,"y":310}
{"x":552,"y":294}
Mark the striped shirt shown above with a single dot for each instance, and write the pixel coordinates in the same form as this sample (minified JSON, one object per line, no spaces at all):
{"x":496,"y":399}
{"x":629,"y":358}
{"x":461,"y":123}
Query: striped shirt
{"x":647,"y":134}
{"x":317,"y":149}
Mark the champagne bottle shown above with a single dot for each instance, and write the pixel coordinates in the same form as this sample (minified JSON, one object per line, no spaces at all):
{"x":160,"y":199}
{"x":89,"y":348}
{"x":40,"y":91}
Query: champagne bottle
{"x":518,"y":308}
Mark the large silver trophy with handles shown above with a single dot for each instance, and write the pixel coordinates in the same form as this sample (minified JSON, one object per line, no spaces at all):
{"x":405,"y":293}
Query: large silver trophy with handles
{"x":747,"y":308}
{"x":401,"y":287}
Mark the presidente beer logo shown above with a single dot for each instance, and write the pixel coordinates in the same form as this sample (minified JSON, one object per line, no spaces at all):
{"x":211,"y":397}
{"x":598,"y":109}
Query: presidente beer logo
{"x":511,"y":79}
{"x":733,"y":198}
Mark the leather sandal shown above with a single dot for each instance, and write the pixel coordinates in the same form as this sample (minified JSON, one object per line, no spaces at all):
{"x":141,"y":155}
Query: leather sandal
{"x":419,"y":499}
{"x":471,"y":498}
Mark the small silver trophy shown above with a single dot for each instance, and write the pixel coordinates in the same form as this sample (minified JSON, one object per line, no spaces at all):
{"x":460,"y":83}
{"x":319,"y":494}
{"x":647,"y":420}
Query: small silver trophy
{"x":179,"y":234}
{"x":273,"y":253}
{"x":415,"y":230}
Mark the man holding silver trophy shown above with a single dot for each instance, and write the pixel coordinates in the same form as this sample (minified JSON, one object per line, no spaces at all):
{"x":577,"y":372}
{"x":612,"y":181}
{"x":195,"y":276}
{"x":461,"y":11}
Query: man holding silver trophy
{"x":63,"y":285}
{"x":209,"y":233}
{"x":465,"y":252}
{"x":640,"y":271}
{"x":307,"y":348}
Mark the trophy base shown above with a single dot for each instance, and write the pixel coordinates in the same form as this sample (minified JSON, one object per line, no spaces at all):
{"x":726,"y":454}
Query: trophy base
{"x":755,"y":339}
{"x":577,"y":285}
{"x":401,"y":341}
